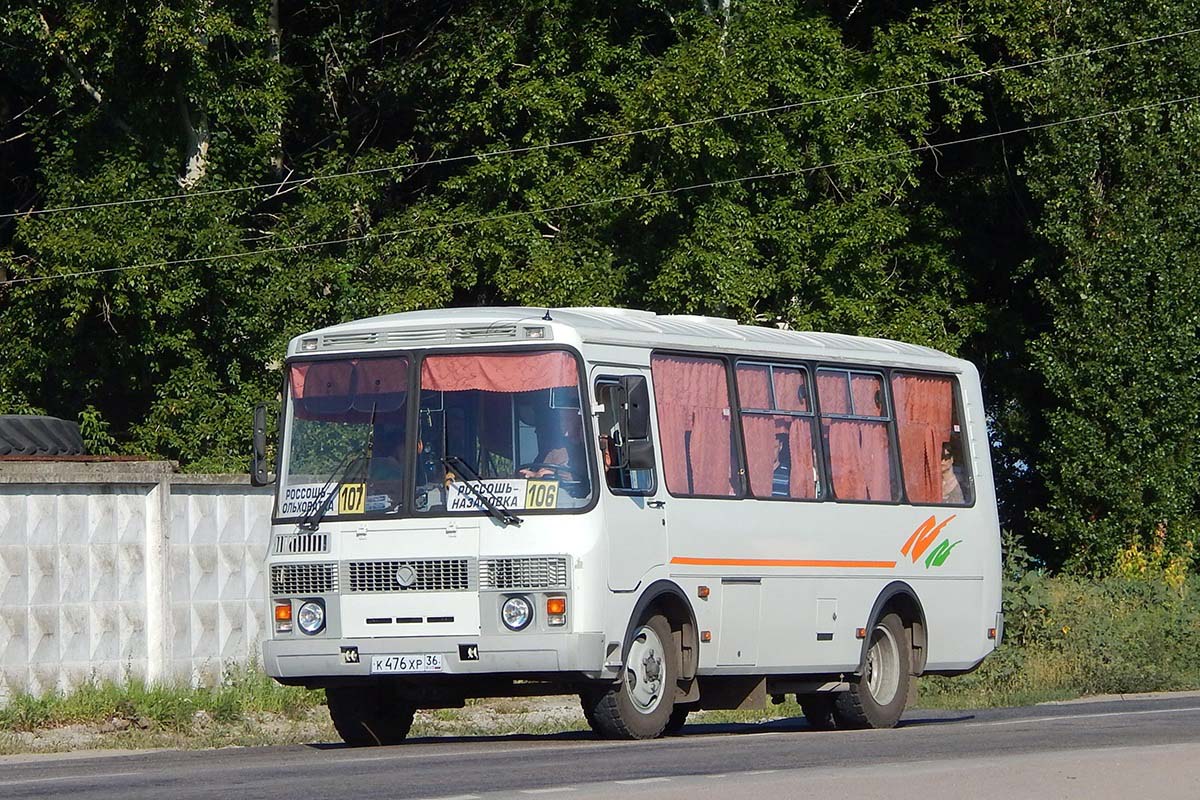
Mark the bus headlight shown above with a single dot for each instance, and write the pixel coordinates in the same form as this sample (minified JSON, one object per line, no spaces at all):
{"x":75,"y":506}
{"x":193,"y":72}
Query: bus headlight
{"x":517,"y":613}
{"x":311,"y":616}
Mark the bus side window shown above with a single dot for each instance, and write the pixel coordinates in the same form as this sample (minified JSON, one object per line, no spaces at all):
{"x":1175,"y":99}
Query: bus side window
{"x":855,"y":426}
{"x":932,"y":453}
{"x":613,"y":460}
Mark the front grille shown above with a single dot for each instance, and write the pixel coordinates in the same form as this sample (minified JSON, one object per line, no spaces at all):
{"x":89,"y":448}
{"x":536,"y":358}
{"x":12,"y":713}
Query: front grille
{"x":301,"y":543}
{"x":292,"y":579}
{"x":430,"y":575}
{"x":542,"y":572}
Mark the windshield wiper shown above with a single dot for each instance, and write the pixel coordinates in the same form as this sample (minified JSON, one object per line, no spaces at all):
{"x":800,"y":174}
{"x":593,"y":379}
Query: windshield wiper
{"x":500,"y":514}
{"x":320,"y":507}
{"x":312,"y":518}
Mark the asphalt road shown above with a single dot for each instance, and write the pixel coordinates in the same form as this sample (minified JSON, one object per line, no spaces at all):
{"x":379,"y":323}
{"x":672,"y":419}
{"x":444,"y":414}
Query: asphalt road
{"x":1148,"y":748}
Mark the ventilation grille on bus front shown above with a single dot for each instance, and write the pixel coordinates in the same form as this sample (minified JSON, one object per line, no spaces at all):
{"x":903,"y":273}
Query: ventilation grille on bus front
{"x":430,"y":575}
{"x":542,"y":572}
{"x":294,"y":579}
{"x":416,"y":336}
{"x":467,"y":333}
{"x":301,"y":543}
{"x":343,"y":341}
{"x":499,"y":330}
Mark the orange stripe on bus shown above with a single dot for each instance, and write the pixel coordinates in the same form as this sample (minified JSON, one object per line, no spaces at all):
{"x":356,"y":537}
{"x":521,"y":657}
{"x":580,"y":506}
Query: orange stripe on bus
{"x":778,"y":562}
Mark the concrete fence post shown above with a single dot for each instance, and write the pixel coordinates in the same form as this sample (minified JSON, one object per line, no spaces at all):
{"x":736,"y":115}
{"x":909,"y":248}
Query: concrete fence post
{"x":158,"y":611}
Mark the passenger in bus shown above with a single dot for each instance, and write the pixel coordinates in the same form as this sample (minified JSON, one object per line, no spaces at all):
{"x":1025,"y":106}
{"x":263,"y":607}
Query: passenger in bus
{"x":560,"y":443}
{"x":781,"y":476}
{"x":952,"y":491}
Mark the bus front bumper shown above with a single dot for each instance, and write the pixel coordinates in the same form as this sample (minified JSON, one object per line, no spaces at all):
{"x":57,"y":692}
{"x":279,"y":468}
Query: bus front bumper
{"x":535,"y":653}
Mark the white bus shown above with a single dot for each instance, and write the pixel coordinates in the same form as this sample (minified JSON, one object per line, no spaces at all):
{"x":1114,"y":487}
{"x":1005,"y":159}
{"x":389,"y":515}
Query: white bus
{"x":657,"y":513}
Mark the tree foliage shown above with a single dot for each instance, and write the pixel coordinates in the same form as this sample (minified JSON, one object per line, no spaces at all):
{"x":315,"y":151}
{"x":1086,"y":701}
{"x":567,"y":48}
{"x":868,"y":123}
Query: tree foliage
{"x":1062,"y":259}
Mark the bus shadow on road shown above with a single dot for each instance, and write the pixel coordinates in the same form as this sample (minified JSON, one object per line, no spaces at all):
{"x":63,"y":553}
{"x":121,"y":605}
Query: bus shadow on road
{"x":800,"y":725}
{"x":786,"y":725}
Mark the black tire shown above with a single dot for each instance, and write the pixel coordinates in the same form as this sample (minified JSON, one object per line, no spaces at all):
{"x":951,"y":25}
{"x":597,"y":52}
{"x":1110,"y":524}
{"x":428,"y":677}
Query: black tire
{"x":676,"y":721}
{"x":877,"y":697}
{"x":369,"y":716}
{"x":639,"y":705}
{"x":818,"y":710}
{"x":22,"y":435}
{"x":587,"y":701}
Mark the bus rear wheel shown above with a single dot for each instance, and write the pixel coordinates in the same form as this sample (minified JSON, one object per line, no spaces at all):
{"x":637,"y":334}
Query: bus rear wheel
{"x":369,"y":716}
{"x":876,"y":698}
{"x":640,"y":704}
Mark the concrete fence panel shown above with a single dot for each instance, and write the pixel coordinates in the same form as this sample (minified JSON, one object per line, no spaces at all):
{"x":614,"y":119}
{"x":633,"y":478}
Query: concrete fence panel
{"x":115,"y":570}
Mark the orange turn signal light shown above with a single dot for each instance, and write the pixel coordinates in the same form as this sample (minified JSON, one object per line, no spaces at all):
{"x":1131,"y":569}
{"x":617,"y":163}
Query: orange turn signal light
{"x":556,"y":606}
{"x":860,"y":633}
{"x":702,"y":592}
{"x":706,"y":636}
{"x":991,"y":633}
{"x":283,"y":612}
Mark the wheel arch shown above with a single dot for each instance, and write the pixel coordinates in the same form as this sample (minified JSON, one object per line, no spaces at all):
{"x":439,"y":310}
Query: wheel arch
{"x":668,"y":598}
{"x":902,"y":599}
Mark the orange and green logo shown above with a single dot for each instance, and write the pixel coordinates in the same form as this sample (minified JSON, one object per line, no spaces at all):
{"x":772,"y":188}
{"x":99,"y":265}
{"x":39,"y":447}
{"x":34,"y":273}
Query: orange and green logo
{"x":923,"y":537}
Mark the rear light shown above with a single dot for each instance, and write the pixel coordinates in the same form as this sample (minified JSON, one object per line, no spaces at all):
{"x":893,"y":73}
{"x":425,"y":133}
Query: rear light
{"x":283,"y":616}
{"x":556,"y":611}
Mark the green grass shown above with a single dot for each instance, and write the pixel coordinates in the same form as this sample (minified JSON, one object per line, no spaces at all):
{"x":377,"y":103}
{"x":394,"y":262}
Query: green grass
{"x":244,"y":692}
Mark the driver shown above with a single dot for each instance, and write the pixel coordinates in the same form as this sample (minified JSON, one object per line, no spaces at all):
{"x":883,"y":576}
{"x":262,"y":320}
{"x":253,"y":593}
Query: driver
{"x":561,"y":454}
{"x":387,"y":453}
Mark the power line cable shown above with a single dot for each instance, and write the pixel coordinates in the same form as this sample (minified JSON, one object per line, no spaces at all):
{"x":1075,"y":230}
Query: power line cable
{"x":603,"y":200}
{"x":291,"y":184}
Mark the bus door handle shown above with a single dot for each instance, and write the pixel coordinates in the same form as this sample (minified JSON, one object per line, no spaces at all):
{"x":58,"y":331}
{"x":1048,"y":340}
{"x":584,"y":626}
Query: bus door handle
{"x":656,"y":503}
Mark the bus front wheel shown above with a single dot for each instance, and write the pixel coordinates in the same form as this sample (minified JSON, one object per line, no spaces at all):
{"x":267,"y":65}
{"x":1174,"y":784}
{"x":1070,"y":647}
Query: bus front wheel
{"x":876,"y":698}
{"x":639,"y":705}
{"x":369,"y":716}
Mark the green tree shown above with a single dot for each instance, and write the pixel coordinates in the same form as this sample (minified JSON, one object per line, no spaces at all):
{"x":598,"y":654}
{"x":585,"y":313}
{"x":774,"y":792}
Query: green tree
{"x":1116,"y":272}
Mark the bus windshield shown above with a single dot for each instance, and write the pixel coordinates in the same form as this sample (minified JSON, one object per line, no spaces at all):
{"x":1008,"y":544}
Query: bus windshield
{"x":508,"y":423}
{"x":345,"y":444}
{"x":512,"y":419}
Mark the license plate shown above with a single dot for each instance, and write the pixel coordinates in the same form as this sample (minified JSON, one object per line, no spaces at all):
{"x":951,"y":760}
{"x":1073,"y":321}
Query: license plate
{"x":421,"y":662}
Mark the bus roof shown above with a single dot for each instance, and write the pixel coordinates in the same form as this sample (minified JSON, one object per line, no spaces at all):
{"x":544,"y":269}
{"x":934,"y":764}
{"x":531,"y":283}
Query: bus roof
{"x":613,"y":326}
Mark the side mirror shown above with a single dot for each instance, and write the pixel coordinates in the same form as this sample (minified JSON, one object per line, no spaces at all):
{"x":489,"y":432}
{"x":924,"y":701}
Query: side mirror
{"x":634,"y":421}
{"x":258,"y":463}
{"x":635,"y":413}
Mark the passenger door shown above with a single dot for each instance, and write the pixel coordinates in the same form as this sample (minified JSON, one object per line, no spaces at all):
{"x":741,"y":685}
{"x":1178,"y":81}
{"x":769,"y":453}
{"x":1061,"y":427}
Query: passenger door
{"x":631,"y":499}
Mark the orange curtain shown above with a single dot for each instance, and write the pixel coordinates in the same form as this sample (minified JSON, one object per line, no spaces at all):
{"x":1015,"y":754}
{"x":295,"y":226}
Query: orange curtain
{"x":800,"y":443}
{"x":754,"y":389}
{"x":694,"y":424}
{"x":499,"y":372}
{"x":860,"y":458}
{"x":924,"y":421}
{"x":341,"y":388}
{"x":762,"y":431}
{"x":834,"y":392}
{"x":867,"y":391}
{"x":791,"y":390}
